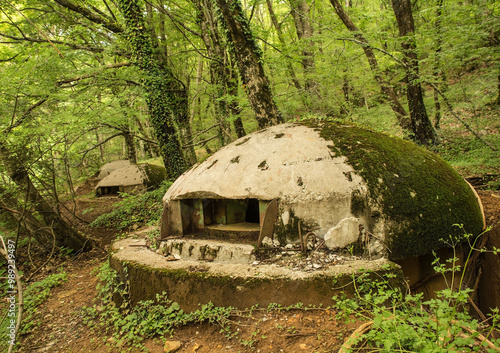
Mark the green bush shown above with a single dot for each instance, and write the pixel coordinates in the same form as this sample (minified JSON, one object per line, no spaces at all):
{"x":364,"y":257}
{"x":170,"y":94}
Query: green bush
{"x":149,"y":318}
{"x":135,"y":210}
{"x":399,"y":322}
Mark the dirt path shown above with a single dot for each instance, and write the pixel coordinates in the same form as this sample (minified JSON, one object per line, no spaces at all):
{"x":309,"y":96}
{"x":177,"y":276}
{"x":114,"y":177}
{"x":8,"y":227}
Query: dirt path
{"x":61,"y":327}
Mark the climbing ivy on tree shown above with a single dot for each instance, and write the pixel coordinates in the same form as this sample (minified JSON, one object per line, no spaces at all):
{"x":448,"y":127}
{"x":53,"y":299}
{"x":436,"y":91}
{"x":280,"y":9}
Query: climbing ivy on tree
{"x":161,"y":89}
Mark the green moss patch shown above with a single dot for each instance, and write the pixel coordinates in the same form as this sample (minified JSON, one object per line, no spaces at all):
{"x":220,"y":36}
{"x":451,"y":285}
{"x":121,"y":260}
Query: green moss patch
{"x":420,"y":195}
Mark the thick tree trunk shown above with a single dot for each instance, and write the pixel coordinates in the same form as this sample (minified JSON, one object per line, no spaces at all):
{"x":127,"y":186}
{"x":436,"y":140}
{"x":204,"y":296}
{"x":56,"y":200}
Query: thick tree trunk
{"x":422,"y":130}
{"x":249,"y":60}
{"x":160,"y":87}
{"x":130,"y":146}
{"x":65,"y":235}
{"x":385,"y":87}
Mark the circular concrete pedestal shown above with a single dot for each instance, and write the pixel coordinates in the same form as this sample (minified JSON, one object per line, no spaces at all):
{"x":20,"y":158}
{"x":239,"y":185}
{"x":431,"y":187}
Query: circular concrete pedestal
{"x":240,"y":285}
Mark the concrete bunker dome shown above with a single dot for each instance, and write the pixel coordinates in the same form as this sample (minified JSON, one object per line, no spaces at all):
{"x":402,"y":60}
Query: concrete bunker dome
{"x":347,"y":185}
{"x":133,"y":178}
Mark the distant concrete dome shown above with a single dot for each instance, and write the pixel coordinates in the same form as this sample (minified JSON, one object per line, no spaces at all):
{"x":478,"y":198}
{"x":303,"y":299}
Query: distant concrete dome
{"x":110,"y":167}
{"x":131,"y":178}
{"x":349,"y":186}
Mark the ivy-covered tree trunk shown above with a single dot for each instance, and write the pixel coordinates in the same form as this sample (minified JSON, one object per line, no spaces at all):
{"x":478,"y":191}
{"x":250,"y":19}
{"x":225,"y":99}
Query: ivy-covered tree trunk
{"x":249,"y":60}
{"x":385,"y":87}
{"x":160,"y":88}
{"x":65,"y":235}
{"x":421,"y":126}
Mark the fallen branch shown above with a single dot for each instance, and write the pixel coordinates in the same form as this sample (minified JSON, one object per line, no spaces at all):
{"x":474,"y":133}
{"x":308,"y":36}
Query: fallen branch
{"x":354,"y":336}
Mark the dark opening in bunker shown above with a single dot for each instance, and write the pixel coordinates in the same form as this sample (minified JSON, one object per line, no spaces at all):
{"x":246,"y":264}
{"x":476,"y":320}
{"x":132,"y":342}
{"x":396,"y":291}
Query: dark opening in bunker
{"x":108,"y":190}
{"x":242,"y":216}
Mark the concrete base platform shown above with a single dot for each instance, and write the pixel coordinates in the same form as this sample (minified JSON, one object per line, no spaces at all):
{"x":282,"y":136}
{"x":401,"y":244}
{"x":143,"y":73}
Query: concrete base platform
{"x":240,"y":285}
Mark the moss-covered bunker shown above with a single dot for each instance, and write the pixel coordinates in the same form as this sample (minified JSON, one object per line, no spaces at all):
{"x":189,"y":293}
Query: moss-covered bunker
{"x":346,"y":184}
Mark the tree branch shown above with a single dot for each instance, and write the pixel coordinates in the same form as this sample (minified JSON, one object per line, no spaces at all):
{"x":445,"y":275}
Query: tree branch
{"x":36,"y":40}
{"x":83,"y":77}
{"x":105,"y":21}
{"x":26,"y":114}
{"x":464,"y":123}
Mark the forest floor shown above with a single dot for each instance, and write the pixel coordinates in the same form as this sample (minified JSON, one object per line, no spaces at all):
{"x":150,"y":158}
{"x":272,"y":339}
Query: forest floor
{"x":60,"y":327}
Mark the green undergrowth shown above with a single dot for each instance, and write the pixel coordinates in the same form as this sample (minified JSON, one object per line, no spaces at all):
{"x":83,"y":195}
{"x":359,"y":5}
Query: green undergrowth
{"x":34,"y":295}
{"x":127,"y":327}
{"x":400,"y":322}
{"x":124,"y":325}
{"x":133,"y":210}
{"x":396,"y":321}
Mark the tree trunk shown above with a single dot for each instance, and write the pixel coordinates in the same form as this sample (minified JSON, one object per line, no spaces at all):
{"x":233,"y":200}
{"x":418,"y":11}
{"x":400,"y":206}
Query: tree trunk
{"x":26,"y":219}
{"x":234,"y":106}
{"x":282,"y":40}
{"x":437,"y":64}
{"x":385,"y":87}
{"x":161,"y":89}
{"x":249,"y":60}
{"x":130,"y":146}
{"x":422,"y":130}
{"x":65,"y":235}
{"x":218,"y":65}
{"x":304,"y":29}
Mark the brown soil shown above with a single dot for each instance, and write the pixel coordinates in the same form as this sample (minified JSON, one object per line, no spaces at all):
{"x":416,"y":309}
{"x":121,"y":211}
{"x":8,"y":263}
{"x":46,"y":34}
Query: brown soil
{"x":60,"y":326}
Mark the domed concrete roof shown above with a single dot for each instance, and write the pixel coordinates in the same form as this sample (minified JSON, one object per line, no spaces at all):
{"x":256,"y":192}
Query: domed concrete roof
{"x":141,"y":176}
{"x":348,"y":185}
{"x":108,"y":168}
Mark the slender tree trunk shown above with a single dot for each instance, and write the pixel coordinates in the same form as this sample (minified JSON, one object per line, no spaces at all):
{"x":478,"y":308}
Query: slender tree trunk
{"x":438,"y":74}
{"x":160,"y":88}
{"x":218,"y":65}
{"x":422,"y":130}
{"x":130,"y":146}
{"x":249,"y":60}
{"x":385,"y":87}
{"x":282,"y":40}
{"x":65,"y":235}
{"x":234,"y":106}
{"x":304,"y":29}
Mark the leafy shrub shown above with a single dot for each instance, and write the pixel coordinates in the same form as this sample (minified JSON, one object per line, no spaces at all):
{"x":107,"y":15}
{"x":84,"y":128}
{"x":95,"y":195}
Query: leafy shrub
{"x":135,"y":210}
{"x":406,"y":323}
{"x":131,"y":325}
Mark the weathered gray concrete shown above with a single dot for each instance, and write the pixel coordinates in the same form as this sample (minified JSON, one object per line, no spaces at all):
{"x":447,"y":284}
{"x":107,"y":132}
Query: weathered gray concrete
{"x":351,"y":187}
{"x":241,"y":285}
{"x":108,"y":168}
{"x":298,"y":168}
{"x":131,"y":178}
{"x":209,"y":250}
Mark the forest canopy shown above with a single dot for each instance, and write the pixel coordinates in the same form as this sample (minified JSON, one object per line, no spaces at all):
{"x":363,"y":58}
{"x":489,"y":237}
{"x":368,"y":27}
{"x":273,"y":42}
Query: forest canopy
{"x":88,"y":81}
